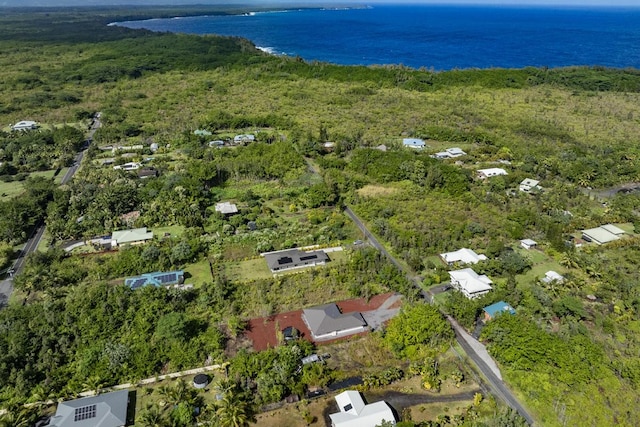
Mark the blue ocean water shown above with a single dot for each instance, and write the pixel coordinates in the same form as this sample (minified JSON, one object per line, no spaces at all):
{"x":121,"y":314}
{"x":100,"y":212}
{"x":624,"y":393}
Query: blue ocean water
{"x":438,"y":37}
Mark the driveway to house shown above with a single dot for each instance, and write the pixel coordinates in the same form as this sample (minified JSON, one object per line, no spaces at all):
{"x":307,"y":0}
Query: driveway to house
{"x":388,"y":310}
{"x":474,"y":349}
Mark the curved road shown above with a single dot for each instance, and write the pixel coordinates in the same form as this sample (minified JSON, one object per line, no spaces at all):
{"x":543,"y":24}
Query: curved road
{"x":6,"y":286}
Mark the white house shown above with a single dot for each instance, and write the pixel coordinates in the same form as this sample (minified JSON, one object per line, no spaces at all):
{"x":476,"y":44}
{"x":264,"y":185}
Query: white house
{"x":449,"y":153}
{"x":528,"y":243}
{"x":603,"y":234}
{"x":244,"y":138}
{"x":470,"y":283}
{"x":226,"y":208}
{"x":415,"y":143}
{"x":463,"y":256}
{"x":134,"y":236}
{"x":528,"y":185}
{"x":131,"y":166}
{"x":25,"y":125}
{"x":488,"y":173}
{"x":552,"y":276}
{"x":355,"y":413}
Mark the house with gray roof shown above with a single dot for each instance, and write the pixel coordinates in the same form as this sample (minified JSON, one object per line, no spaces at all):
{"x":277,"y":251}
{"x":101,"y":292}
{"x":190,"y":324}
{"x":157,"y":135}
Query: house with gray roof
{"x":327,"y":322}
{"x":104,"y":410}
{"x":134,"y":236}
{"x":290,"y":259}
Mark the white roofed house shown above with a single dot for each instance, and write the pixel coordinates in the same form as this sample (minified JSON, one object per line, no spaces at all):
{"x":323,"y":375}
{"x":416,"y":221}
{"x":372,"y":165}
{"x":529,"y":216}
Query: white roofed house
{"x":470,"y":283}
{"x":463,"y":256}
{"x":355,"y":413}
{"x":529,"y":185}
{"x":134,"y":236}
{"x":449,"y":153}
{"x":415,"y":143}
{"x":244,"y":138}
{"x":25,"y":125}
{"x":226,"y":208}
{"x":603,"y":234}
{"x":488,"y":173}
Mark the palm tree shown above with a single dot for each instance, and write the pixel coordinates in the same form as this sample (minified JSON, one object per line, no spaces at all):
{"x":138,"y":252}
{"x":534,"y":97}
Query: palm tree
{"x":152,"y":417}
{"x":234,"y":412}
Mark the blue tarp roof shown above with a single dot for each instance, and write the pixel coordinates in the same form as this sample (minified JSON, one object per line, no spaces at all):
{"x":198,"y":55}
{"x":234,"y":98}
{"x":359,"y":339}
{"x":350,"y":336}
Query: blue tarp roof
{"x":498,"y":308}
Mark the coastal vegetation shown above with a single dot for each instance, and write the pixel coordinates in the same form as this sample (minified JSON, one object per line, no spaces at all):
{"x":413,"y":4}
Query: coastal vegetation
{"x":571,"y":350}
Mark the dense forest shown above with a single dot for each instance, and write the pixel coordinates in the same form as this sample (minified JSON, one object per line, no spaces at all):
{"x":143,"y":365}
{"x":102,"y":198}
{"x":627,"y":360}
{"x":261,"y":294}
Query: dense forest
{"x":571,"y":350}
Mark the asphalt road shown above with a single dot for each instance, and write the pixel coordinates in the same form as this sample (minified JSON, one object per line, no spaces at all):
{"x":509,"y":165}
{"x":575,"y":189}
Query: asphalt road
{"x":495,"y":384}
{"x":6,"y":285}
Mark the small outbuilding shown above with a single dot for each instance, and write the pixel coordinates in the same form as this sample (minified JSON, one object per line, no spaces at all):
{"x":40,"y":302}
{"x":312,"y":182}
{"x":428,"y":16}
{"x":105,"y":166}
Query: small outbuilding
{"x":528,"y":244}
{"x":493,"y":310}
{"x":226,"y":208}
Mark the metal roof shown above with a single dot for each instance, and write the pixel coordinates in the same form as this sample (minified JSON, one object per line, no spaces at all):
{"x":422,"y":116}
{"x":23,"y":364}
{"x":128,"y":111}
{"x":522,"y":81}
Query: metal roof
{"x":325,"y":319}
{"x":104,"y":410}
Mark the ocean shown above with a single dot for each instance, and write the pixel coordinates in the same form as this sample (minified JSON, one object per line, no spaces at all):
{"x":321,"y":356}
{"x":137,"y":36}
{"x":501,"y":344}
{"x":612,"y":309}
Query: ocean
{"x":438,"y":37}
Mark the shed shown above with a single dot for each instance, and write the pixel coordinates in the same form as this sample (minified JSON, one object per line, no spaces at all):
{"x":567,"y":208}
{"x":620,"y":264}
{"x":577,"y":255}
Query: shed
{"x":496,"y":309}
{"x":528,"y":243}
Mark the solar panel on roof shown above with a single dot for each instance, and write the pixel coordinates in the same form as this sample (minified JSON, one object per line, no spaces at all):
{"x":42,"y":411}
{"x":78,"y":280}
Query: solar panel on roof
{"x":285,"y":260}
{"x":167,"y":278}
{"x":308,"y":257}
{"x":137,"y":283}
{"x":84,"y":413}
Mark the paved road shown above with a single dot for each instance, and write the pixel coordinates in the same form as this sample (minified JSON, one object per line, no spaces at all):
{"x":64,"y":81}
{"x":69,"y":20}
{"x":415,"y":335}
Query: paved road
{"x":6,"y":285}
{"x":474,"y":349}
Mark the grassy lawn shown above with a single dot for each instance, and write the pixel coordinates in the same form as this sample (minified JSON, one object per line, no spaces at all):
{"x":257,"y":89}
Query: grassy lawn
{"x":173,"y":230}
{"x":14,"y":188}
{"x":199,"y":273}
{"x":541,"y":264}
{"x":253,"y":269}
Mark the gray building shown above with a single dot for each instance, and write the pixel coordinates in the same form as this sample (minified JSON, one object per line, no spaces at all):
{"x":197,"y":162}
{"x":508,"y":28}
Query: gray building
{"x":294,"y":258}
{"x":104,"y":410}
{"x":327,"y":322}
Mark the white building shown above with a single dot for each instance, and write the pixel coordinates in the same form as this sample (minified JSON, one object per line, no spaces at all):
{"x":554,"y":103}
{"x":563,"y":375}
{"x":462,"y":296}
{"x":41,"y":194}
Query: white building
{"x":552,"y":276}
{"x":131,"y":166}
{"x":355,"y":413}
{"x":449,"y":153}
{"x":244,"y":138}
{"x":488,"y":173}
{"x":603,"y":234}
{"x":470,"y":283}
{"x":528,"y":244}
{"x":25,"y":125}
{"x":415,"y":143}
{"x":528,"y":185}
{"x":226,"y":208}
{"x":463,"y":256}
